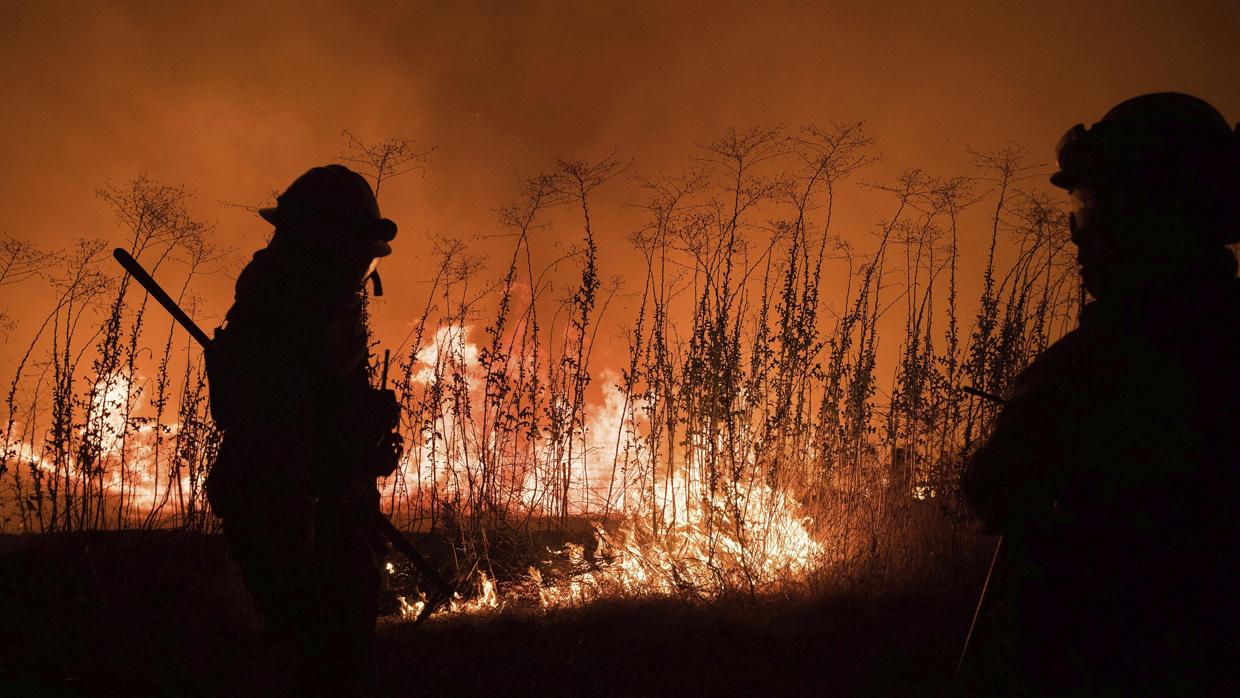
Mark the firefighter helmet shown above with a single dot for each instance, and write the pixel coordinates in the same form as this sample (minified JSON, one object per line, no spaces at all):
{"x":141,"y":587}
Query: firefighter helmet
{"x":327,"y":202}
{"x":1165,"y":146}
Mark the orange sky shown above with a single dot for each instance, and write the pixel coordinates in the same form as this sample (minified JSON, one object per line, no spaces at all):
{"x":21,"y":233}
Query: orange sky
{"x":236,"y":99}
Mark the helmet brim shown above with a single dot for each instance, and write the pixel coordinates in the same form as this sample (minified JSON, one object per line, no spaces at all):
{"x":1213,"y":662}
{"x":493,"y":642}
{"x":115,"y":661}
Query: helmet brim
{"x":271,"y":215}
{"x":1063,"y":180}
{"x":379,"y":248}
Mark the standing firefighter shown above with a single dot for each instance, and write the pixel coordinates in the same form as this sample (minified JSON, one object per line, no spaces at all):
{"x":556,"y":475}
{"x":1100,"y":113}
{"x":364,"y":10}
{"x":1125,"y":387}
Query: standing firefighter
{"x":295,"y":479}
{"x":1111,"y":471}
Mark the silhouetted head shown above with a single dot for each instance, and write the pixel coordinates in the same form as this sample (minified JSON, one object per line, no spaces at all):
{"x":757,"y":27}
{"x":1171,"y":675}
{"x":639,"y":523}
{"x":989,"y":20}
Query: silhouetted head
{"x":1154,"y":186}
{"x":331,"y":214}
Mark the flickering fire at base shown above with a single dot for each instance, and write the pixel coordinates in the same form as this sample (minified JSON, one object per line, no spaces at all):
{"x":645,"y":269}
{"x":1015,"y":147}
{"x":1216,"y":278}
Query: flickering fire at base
{"x":696,"y":553}
{"x":689,"y":557}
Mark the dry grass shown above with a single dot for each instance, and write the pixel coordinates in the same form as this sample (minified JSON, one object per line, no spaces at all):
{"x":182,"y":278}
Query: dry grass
{"x":752,"y":399}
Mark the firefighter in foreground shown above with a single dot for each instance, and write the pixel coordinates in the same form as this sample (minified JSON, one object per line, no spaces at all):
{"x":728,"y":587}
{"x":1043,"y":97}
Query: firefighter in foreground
{"x":295,"y":479}
{"x":1111,"y":471}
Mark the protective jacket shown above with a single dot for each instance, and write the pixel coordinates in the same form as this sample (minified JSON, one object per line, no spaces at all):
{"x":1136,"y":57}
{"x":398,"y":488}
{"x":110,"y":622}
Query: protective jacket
{"x":298,"y":502}
{"x":290,"y":372}
{"x":1111,"y":473}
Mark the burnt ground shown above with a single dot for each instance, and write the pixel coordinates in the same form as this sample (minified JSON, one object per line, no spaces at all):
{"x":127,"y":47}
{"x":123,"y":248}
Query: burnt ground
{"x":164,"y":613}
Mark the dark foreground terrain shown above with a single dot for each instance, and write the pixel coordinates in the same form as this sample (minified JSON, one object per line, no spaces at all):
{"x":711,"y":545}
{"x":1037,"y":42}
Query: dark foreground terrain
{"x":164,"y":613}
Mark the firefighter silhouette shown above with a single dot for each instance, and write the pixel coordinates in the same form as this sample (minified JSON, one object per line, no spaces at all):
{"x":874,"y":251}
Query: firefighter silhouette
{"x":295,"y":479}
{"x":1112,"y":468}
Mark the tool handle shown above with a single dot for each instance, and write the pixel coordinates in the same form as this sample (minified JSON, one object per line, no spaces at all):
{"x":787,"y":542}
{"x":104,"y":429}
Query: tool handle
{"x":139,"y":274}
{"x":983,"y":394}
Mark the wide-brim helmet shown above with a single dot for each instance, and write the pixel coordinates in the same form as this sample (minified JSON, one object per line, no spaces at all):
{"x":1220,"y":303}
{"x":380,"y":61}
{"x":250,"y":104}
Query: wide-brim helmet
{"x":333,"y":206}
{"x":1159,"y":138}
{"x":1164,"y":146}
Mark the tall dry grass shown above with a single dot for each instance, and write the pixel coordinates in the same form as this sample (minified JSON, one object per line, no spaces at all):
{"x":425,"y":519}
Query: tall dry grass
{"x":781,"y":375}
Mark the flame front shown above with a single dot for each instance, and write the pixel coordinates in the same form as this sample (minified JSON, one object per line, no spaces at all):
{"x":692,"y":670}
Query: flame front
{"x":750,"y":541}
{"x":694,"y":532}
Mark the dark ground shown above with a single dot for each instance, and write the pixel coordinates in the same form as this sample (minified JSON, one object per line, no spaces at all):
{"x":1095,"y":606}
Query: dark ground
{"x":164,"y":613}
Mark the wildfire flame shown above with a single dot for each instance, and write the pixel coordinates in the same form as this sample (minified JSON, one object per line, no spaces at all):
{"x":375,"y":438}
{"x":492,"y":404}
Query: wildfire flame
{"x":701,"y":550}
{"x":681,"y":538}
{"x":410,"y":611}
{"x":129,"y":458}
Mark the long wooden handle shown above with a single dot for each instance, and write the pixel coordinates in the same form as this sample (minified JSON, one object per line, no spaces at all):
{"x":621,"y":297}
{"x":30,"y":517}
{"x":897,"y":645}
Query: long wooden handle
{"x":445,"y":589}
{"x":983,"y":394}
{"x":139,"y":274}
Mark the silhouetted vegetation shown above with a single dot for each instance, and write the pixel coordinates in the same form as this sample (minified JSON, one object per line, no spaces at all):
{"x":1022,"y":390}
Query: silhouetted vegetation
{"x":752,"y":441}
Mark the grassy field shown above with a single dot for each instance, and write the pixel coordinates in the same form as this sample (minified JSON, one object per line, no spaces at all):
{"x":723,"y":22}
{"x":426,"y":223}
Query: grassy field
{"x":164,"y":613}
